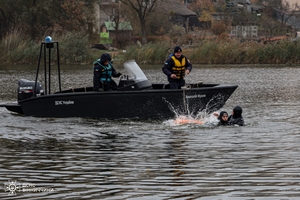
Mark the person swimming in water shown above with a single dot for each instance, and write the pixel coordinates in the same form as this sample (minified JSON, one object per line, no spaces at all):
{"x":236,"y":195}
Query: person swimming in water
{"x":223,"y":118}
{"x":235,"y":119}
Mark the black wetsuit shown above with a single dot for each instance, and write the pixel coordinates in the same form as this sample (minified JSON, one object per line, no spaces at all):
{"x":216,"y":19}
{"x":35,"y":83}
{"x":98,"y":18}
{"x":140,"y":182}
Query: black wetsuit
{"x":236,"y":118}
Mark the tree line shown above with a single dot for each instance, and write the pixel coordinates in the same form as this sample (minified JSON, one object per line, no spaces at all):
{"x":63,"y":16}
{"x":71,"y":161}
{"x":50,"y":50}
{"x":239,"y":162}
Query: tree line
{"x":36,"y":18}
{"x":23,"y":24}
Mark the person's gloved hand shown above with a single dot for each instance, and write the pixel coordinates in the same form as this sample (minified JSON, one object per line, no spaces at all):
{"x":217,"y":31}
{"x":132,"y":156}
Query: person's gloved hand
{"x":119,"y":74}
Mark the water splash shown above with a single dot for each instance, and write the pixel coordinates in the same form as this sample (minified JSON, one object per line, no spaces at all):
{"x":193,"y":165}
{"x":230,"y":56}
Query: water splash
{"x":185,"y":116}
{"x":187,"y":120}
{"x":213,"y":105}
{"x":177,"y":112}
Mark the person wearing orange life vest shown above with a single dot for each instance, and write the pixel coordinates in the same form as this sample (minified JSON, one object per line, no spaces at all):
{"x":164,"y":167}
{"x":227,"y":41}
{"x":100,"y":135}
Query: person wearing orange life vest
{"x":176,"y":67}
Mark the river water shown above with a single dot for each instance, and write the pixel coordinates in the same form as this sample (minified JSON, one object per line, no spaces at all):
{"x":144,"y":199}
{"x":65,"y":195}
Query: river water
{"x":74,"y":158}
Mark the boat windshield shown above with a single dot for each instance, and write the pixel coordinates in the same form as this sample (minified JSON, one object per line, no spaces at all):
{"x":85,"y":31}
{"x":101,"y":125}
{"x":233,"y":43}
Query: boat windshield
{"x":134,"y":70}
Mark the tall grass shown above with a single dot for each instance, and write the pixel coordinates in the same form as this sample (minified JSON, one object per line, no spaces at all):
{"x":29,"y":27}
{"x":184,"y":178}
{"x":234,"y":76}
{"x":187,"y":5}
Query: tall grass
{"x":222,"y":52}
{"x":17,"y":49}
{"x":148,"y":54}
{"x":75,"y":48}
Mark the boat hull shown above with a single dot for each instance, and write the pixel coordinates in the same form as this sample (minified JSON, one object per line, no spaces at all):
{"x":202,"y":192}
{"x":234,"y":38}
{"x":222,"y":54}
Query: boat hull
{"x":13,"y":107}
{"x":146,"y":104}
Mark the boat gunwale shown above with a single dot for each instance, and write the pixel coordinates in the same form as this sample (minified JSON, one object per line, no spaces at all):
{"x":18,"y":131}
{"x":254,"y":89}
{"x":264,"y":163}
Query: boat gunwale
{"x":134,"y":92}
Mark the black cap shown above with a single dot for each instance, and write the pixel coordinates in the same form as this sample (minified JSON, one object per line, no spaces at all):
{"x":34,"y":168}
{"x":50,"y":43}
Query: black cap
{"x":177,"y":49}
{"x":105,"y":57}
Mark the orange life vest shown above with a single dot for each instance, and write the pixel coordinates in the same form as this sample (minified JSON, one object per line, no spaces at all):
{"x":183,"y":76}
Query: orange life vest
{"x":179,"y":68}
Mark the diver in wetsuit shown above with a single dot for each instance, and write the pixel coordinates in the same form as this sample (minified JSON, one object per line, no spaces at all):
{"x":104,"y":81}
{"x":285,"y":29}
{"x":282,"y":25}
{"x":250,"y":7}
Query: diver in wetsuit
{"x":236,"y":118}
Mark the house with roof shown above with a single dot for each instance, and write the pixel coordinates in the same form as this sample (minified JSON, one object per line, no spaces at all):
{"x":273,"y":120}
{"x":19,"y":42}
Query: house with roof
{"x":178,"y":13}
{"x":110,"y":27}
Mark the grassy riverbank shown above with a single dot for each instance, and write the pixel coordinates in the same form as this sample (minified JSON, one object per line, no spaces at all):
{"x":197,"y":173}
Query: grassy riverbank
{"x":75,"y":48}
{"x":223,"y":52}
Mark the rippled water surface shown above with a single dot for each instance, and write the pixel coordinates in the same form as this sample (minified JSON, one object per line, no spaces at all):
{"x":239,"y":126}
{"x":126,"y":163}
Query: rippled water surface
{"x":74,"y":158}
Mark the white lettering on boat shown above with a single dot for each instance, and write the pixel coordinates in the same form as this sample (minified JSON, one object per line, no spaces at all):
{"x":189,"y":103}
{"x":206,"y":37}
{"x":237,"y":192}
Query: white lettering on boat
{"x":195,"y":96}
{"x":26,"y":88}
{"x":58,"y":103}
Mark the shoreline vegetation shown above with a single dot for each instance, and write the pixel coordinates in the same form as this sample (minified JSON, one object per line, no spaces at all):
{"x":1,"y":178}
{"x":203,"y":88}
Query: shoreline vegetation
{"x":75,"y":48}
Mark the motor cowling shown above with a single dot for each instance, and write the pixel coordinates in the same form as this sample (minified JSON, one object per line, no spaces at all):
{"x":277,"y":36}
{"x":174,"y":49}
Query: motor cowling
{"x":26,"y":88}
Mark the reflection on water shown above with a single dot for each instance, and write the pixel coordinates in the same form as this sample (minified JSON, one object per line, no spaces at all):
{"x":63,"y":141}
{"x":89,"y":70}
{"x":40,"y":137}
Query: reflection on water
{"x":128,"y":159}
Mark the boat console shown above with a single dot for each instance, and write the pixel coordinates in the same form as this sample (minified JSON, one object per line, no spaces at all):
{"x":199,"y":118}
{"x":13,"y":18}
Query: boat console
{"x":135,"y":80}
{"x":126,"y":83}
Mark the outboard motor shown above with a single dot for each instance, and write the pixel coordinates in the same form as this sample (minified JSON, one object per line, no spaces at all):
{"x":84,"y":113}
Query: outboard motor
{"x":26,"y":88}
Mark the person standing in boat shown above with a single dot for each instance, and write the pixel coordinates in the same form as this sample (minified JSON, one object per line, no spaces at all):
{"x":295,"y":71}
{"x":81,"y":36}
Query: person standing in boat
{"x":176,"y":67}
{"x":103,"y":73}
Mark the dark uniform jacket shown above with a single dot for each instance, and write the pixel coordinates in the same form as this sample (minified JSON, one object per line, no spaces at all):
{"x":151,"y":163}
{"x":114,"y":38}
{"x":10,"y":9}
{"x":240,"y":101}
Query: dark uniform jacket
{"x":103,"y":73}
{"x":170,"y":67}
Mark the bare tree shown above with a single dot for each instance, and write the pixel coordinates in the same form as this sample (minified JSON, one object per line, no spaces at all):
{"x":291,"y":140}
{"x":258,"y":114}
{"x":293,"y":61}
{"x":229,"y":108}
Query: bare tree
{"x":117,"y":15}
{"x":284,"y":9}
{"x":269,"y":26}
{"x":143,"y":9}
